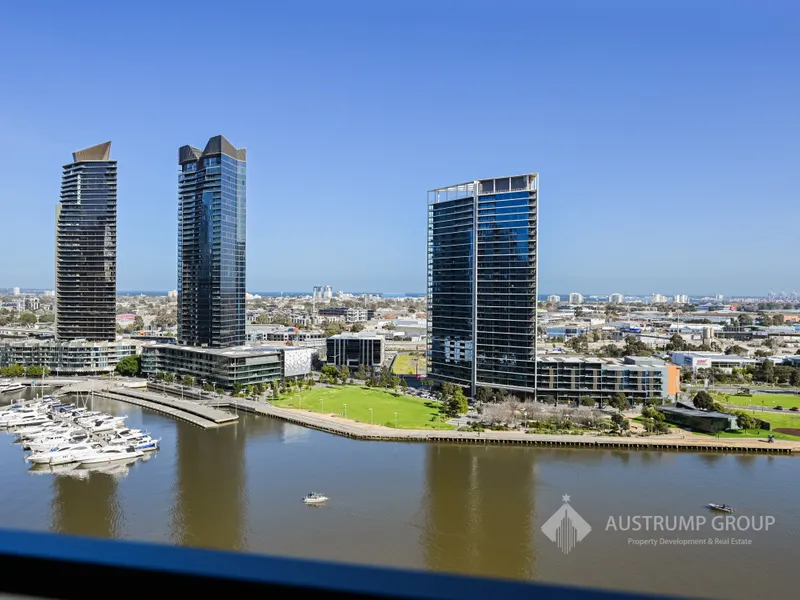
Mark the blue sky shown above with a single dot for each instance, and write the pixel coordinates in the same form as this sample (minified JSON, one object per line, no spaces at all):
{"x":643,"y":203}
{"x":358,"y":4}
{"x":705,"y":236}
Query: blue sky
{"x":665,"y":133}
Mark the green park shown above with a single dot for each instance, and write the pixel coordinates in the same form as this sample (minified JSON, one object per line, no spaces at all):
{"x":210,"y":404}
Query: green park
{"x":787,"y":401}
{"x":367,"y":405}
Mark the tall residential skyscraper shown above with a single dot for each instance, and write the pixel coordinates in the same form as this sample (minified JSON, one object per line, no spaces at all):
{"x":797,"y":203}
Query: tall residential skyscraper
{"x":86,"y":247}
{"x":211,"y":244}
{"x":482,"y":253}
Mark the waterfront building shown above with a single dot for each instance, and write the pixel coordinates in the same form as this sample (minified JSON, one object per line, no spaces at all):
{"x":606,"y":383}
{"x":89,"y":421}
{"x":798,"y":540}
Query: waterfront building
{"x":226,"y":367}
{"x":74,"y":357}
{"x":570,"y":376}
{"x":575,"y":298}
{"x":482,"y":269}
{"x":616,"y":298}
{"x":353,"y":350}
{"x":15,"y":291}
{"x":554,"y":298}
{"x":86,"y":247}
{"x":211,"y":244}
{"x":687,"y":416}
{"x":659,"y":299}
{"x":681,"y":299}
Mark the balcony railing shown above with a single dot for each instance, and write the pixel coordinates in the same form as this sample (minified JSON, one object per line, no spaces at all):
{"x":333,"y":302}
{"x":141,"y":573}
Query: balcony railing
{"x":40,"y":565}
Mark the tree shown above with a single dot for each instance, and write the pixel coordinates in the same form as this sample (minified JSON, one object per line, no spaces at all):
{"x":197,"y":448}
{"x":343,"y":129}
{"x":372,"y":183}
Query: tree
{"x":736,"y":350}
{"x":619,"y":401}
{"x":403,"y":385}
{"x":703,"y":400}
{"x":456,"y":403}
{"x":361,"y":372}
{"x":390,"y":326}
{"x":344,"y":373}
{"x":48,"y":317}
{"x":356,"y":327}
{"x":745,"y":320}
{"x":483,"y":394}
{"x":12,"y":371}
{"x":794,"y":378}
{"x":130,"y":366}
{"x":27,"y":319}
{"x":237,"y":389}
{"x":587,"y":401}
{"x":188,"y":380}
{"x":138,"y":323}
{"x":36,"y":371}
{"x":745,"y":421}
{"x":765,"y":371}
{"x":621,"y":422}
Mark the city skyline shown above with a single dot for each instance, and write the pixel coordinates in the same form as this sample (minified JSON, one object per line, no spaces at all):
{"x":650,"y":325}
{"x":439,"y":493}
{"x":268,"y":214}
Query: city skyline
{"x":606,"y":119}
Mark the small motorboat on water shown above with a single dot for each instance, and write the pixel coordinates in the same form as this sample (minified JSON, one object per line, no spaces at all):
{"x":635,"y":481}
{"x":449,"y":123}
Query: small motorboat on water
{"x":315,"y":498}
{"x":720,"y":507}
{"x":109,"y":454}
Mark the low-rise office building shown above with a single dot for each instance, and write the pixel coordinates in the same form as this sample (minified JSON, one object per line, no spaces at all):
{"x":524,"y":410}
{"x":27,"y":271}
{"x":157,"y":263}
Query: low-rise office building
{"x":74,"y":357}
{"x":570,"y":376}
{"x":226,"y":367}
{"x":697,"y":420}
{"x":354,"y":350}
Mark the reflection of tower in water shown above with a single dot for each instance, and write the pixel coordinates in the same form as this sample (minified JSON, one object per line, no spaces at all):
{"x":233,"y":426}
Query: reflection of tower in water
{"x":211,"y":497}
{"x":86,"y":506}
{"x":479,"y":507}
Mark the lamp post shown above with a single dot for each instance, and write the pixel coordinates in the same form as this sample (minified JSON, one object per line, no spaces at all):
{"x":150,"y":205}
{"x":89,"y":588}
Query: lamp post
{"x":395,"y":421}
{"x":371,"y":420}
{"x":322,"y":402}
{"x":345,"y":410}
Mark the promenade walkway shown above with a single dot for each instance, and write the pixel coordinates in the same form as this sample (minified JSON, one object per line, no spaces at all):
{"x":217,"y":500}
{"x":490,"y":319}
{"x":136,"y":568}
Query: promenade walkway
{"x":201,"y":415}
{"x":364,"y":431}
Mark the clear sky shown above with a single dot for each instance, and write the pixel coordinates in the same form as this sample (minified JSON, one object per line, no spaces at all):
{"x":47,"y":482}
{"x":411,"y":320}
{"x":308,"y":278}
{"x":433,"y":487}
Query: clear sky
{"x":665,"y":133}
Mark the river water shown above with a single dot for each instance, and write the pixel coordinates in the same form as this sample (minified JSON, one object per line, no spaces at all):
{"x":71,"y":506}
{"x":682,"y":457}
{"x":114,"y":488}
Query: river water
{"x":466,"y":509}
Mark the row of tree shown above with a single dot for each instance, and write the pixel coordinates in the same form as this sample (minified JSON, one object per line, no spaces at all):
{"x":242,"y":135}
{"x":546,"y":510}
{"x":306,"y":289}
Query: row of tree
{"x":22,"y":371}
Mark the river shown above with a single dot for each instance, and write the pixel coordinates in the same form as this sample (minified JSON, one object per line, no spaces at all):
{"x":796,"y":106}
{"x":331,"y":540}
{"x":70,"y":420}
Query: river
{"x":466,"y":509}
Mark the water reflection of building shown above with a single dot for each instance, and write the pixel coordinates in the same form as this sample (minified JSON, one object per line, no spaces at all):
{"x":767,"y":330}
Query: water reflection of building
{"x":86,"y":506}
{"x":480,"y":511}
{"x":211,"y":498}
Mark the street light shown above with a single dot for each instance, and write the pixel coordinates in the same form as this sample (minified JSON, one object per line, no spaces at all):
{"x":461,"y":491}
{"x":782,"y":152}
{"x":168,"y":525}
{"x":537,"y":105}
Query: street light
{"x":322,"y":401}
{"x":345,"y":410}
{"x":395,"y":421}
{"x":371,"y":420}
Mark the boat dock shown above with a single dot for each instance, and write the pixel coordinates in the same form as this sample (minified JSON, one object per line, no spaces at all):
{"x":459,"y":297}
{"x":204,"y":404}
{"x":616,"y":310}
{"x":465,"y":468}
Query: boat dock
{"x":186,"y":410}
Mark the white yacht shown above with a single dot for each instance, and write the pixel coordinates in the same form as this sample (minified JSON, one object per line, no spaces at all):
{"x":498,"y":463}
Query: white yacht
{"x":48,"y":444}
{"x":142,"y":442}
{"x":111,"y":454}
{"x":315,"y":498}
{"x":64,"y":454}
{"x":25,"y":420}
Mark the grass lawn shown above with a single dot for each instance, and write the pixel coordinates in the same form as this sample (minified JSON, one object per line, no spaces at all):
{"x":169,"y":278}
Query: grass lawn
{"x":405,"y":364}
{"x":412,"y":413}
{"x":787,"y":401}
{"x":776,"y":420}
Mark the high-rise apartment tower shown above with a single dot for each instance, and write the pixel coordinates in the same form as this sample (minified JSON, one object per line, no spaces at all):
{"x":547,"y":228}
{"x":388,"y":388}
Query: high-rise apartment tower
{"x":86,"y":247}
{"x":211,"y":244}
{"x":482,"y":286}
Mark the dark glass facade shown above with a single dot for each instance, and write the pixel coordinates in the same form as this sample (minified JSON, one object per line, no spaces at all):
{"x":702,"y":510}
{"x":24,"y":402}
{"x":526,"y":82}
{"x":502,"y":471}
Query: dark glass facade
{"x":482,"y":283}
{"x":211,"y":244}
{"x":86,"y":247}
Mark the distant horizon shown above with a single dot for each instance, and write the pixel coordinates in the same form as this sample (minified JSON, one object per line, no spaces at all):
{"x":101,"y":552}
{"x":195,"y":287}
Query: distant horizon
{"x":273,"y":293}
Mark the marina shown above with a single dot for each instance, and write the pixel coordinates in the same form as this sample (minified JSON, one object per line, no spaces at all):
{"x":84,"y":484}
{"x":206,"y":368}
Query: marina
{"x":58,"y":434}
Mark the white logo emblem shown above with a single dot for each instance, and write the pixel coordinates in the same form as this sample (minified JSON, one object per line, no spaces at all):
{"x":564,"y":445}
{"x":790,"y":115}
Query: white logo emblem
{"x":566,"y":527}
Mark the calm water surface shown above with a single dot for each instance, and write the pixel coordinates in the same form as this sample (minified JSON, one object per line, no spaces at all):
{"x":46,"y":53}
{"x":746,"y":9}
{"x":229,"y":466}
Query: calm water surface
{"x":467,"y":509}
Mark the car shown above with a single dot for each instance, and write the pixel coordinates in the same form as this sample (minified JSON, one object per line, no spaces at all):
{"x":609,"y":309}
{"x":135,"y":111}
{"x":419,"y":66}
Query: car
{"x":779,"y":407}
{"x":795,"y":409}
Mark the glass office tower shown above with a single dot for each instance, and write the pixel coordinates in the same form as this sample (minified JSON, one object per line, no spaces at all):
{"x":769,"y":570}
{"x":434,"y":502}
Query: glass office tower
{"x":482,"y":258}
{"x":86,"y":247}
{"x":211,"y":244}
